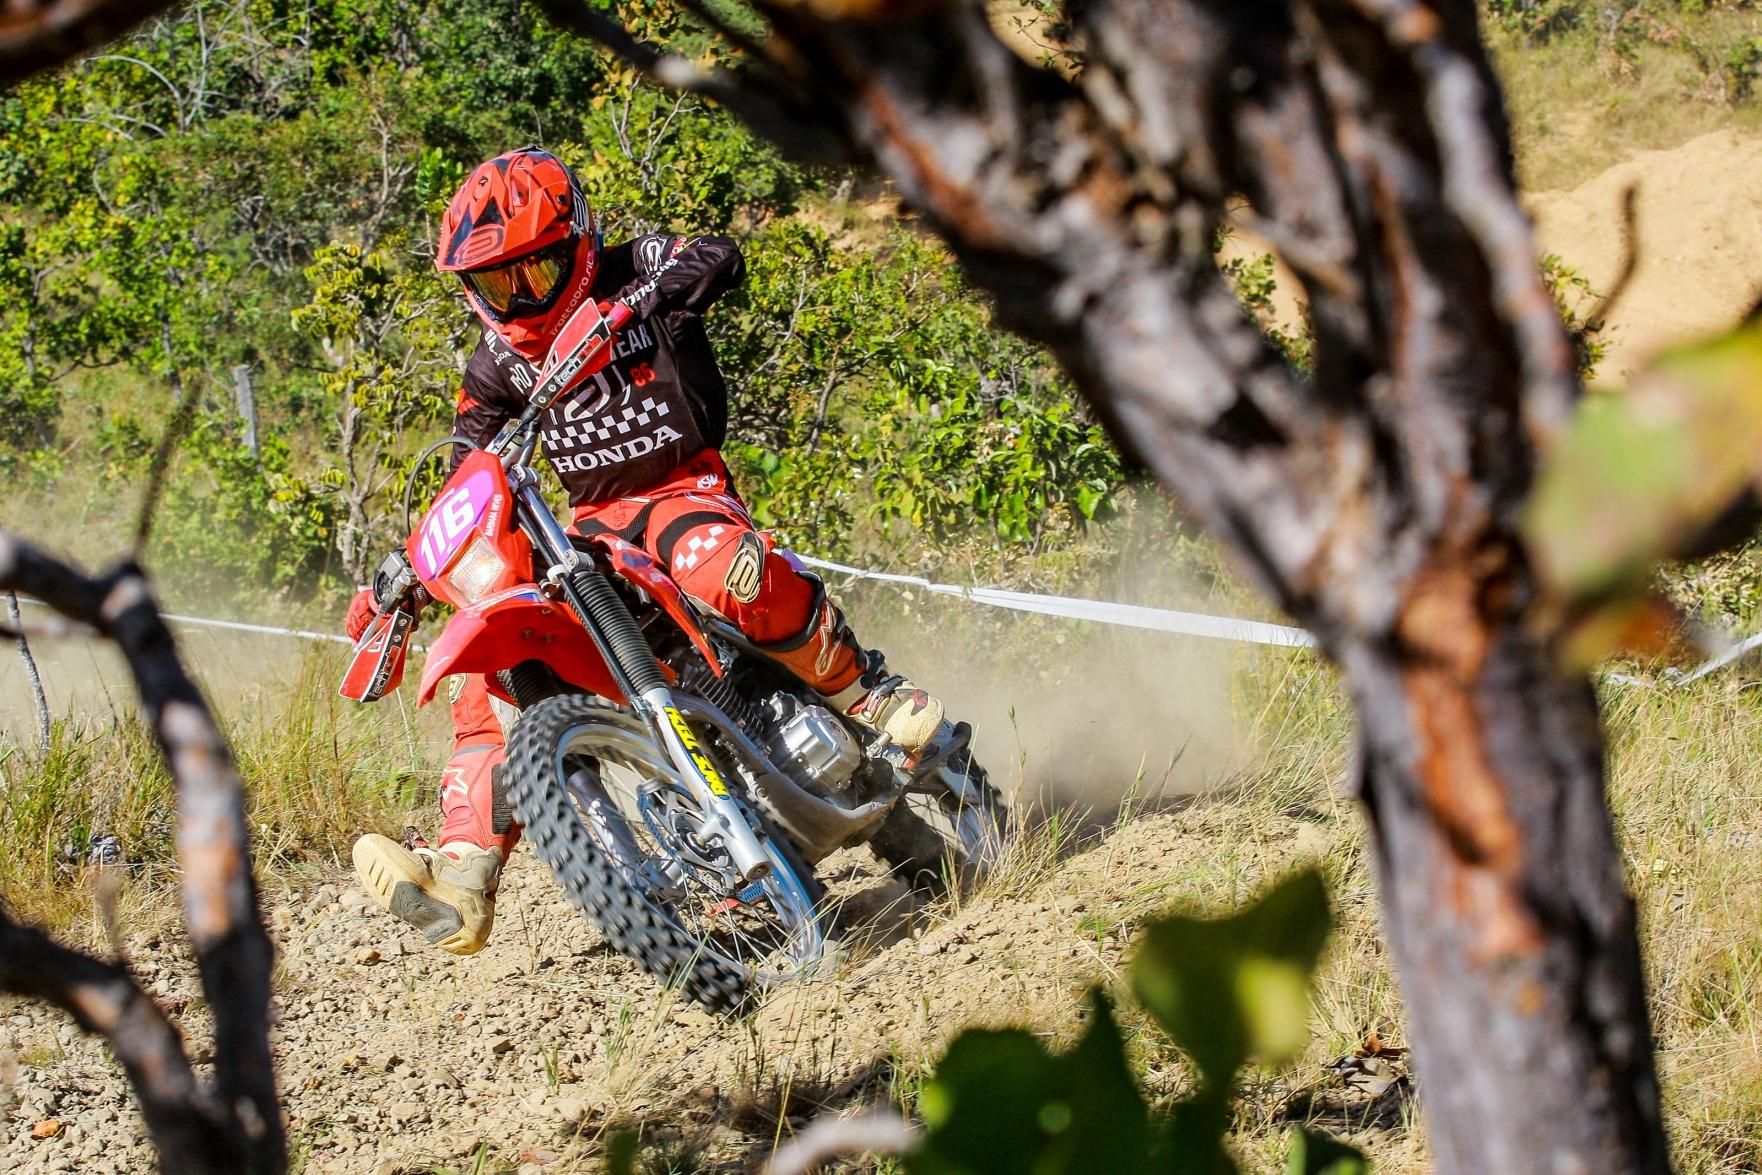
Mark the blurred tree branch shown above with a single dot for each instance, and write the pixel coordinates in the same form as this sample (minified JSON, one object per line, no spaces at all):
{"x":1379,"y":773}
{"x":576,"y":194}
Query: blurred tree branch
{"x":234,"y":1123}
{"x":36,"y":35}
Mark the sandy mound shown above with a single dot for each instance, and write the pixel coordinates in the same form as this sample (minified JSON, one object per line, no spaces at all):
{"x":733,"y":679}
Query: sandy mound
{"x":1700,"y":240}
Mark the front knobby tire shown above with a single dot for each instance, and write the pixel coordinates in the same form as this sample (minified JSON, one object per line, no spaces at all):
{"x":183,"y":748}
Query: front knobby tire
{"x":604,"y":864}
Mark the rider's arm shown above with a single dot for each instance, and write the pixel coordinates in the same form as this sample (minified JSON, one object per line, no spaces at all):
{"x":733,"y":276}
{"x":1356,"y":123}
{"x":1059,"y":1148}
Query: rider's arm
{"x":487,"y":400}
{"x":682,"y":273}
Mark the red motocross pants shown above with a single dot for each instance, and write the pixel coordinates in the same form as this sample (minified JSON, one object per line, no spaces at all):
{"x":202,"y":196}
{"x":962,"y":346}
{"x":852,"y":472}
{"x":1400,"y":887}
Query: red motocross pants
{"x":697,"y":527}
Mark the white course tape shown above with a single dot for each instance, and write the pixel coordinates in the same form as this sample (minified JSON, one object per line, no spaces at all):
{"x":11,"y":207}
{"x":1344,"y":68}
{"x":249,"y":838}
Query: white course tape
{"x":234,"y":625}
{"x":1129,"y":615}
{"x":1100,"y":611}
{"x":267,"y":630}
{"x":1724,"y":659}
{"x":1198,"y":624}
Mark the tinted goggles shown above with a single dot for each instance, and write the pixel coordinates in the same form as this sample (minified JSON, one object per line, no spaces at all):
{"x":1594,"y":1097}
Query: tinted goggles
{"x":525,"y":286}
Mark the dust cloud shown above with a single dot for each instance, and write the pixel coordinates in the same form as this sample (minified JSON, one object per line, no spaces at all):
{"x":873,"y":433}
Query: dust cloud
{"x":88,"y":683}
{"x":1066,"y":714}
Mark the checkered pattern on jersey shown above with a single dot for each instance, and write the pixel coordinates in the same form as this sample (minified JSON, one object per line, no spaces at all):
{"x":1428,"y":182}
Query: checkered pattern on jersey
{"x":697,"y":547}
{"x":620,"y":423}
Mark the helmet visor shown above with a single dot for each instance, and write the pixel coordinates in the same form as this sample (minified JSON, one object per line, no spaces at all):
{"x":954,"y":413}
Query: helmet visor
{"x":526,"y":285}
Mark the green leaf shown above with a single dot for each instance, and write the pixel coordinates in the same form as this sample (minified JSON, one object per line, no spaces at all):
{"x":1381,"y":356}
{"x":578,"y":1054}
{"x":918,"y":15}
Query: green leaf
{"x":1320,"y":1154}
{"x":1001,"y":1104}
{"x":1237,"y":986}
{"x":1637,"y":476}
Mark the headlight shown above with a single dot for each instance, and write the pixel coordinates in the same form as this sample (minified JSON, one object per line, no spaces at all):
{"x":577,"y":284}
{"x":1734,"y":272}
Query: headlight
{"x":476,"y":570}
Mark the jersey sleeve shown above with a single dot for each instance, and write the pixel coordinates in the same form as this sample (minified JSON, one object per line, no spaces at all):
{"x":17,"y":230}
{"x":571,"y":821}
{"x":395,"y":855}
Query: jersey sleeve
{"x":681,"y":273}
{"x":487,"y":400}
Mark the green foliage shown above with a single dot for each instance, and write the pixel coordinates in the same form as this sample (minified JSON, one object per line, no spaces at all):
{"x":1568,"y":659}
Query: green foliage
{"x":1542,"y":20}
{"x":1255,"y":281}
{"x":1002,"y":1102}
{"x":260,"y":189}
{"x":1578,"y":303}
{"x":1318,"y":1154}
{"x":1743,"y":69}
{"x":1645,"y":476}
{"x":877,"y":390}
{"x":1641,"y":472}
{"x":1232,"y":987}
{"x":1225,"y":989}
{"x":1538,"y":19}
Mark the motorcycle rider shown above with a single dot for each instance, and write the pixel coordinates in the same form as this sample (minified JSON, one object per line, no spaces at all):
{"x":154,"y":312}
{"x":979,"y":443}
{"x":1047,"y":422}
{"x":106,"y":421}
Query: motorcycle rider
{"x":636,"y":447}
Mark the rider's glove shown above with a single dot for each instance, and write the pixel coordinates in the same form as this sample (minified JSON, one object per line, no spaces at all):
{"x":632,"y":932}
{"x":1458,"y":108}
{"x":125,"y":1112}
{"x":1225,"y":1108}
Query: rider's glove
{"x":362,"y":610}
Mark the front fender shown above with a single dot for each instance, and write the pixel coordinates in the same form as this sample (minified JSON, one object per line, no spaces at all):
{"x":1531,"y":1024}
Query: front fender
{"x":507,"y":628}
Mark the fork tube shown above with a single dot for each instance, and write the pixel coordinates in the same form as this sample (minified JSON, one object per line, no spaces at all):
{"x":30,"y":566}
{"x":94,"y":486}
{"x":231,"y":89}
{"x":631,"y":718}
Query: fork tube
{"x":627,"y":653}
{"x":564,"y":561}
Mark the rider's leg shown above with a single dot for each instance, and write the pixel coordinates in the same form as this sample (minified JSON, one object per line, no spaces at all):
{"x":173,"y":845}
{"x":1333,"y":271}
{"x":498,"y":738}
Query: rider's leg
{"x":474,"y":812}
{"x":708,"y":543}
{"x":449,"y":893}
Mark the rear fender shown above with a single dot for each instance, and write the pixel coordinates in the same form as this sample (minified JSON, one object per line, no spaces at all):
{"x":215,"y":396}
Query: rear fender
{"x":509,"y":627}
{"x":636,"y":565}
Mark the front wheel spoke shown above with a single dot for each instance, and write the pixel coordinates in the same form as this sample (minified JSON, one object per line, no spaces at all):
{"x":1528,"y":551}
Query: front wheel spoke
{"x":684,"y":870}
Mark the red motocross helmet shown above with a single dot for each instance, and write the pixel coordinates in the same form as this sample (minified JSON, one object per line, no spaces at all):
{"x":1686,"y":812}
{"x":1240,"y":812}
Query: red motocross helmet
{"x":522,"y":237}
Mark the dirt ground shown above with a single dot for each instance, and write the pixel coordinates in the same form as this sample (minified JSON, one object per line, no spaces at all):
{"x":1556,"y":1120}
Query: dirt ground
{"x":396,"y":1058}
{"x":1697,"y":240}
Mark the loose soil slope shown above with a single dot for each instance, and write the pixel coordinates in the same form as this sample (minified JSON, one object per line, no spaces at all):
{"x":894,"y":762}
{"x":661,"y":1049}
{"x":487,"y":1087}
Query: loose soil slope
{"x":395,"y":1058}
{"x":1698,"y":240}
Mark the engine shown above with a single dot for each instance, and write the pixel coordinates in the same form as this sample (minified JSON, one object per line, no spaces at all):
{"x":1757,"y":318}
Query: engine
{"x":806,"y":742}
{"x":811,"y":744}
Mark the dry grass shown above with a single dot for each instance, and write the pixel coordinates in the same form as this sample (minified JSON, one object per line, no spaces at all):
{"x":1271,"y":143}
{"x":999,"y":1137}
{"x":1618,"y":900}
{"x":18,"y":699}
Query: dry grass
{"x":1686,"y":781}
{"x":319,"y":770}
{"x":1581,"y":102}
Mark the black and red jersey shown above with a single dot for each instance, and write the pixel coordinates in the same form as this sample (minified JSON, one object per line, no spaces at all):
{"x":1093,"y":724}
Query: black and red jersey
{"x":660,"y":400}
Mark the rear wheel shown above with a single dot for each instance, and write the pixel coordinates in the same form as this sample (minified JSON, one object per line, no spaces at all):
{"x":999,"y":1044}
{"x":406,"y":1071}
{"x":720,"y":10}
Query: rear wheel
{"x":604,"y":809}
{"x":952,"y":826}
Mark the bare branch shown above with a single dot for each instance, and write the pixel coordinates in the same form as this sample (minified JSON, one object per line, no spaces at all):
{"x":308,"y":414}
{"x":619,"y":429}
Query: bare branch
{"x":1630,"y":258}
{"x":826,"y":1139}
{"x":159,"y":468}
{"x":36,"y":35}
{"x":33,"y":679}
{"x":778,"y":118}
{"x":103,"y":998}
{"x":233,"y":952}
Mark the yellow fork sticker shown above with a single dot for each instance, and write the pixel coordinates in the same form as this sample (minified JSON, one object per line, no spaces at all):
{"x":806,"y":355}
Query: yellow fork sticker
{"x":688,"y":736}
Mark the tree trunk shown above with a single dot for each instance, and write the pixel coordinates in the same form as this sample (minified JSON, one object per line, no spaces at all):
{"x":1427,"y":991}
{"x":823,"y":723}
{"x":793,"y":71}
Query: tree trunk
{"x":245,"y":399}
{"x":352,"y":532}
{"x":1482,"y":778}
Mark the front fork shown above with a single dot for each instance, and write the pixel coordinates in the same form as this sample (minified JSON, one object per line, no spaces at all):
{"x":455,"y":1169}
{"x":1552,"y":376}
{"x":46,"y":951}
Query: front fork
{"x":633,"y":666}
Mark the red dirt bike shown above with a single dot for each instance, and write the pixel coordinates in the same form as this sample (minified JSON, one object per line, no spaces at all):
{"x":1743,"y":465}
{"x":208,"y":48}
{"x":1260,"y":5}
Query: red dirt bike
{"x":679,"y":784}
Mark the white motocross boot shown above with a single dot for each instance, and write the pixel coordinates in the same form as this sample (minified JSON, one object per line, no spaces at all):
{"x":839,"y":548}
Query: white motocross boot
{"x":449,"y":894}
